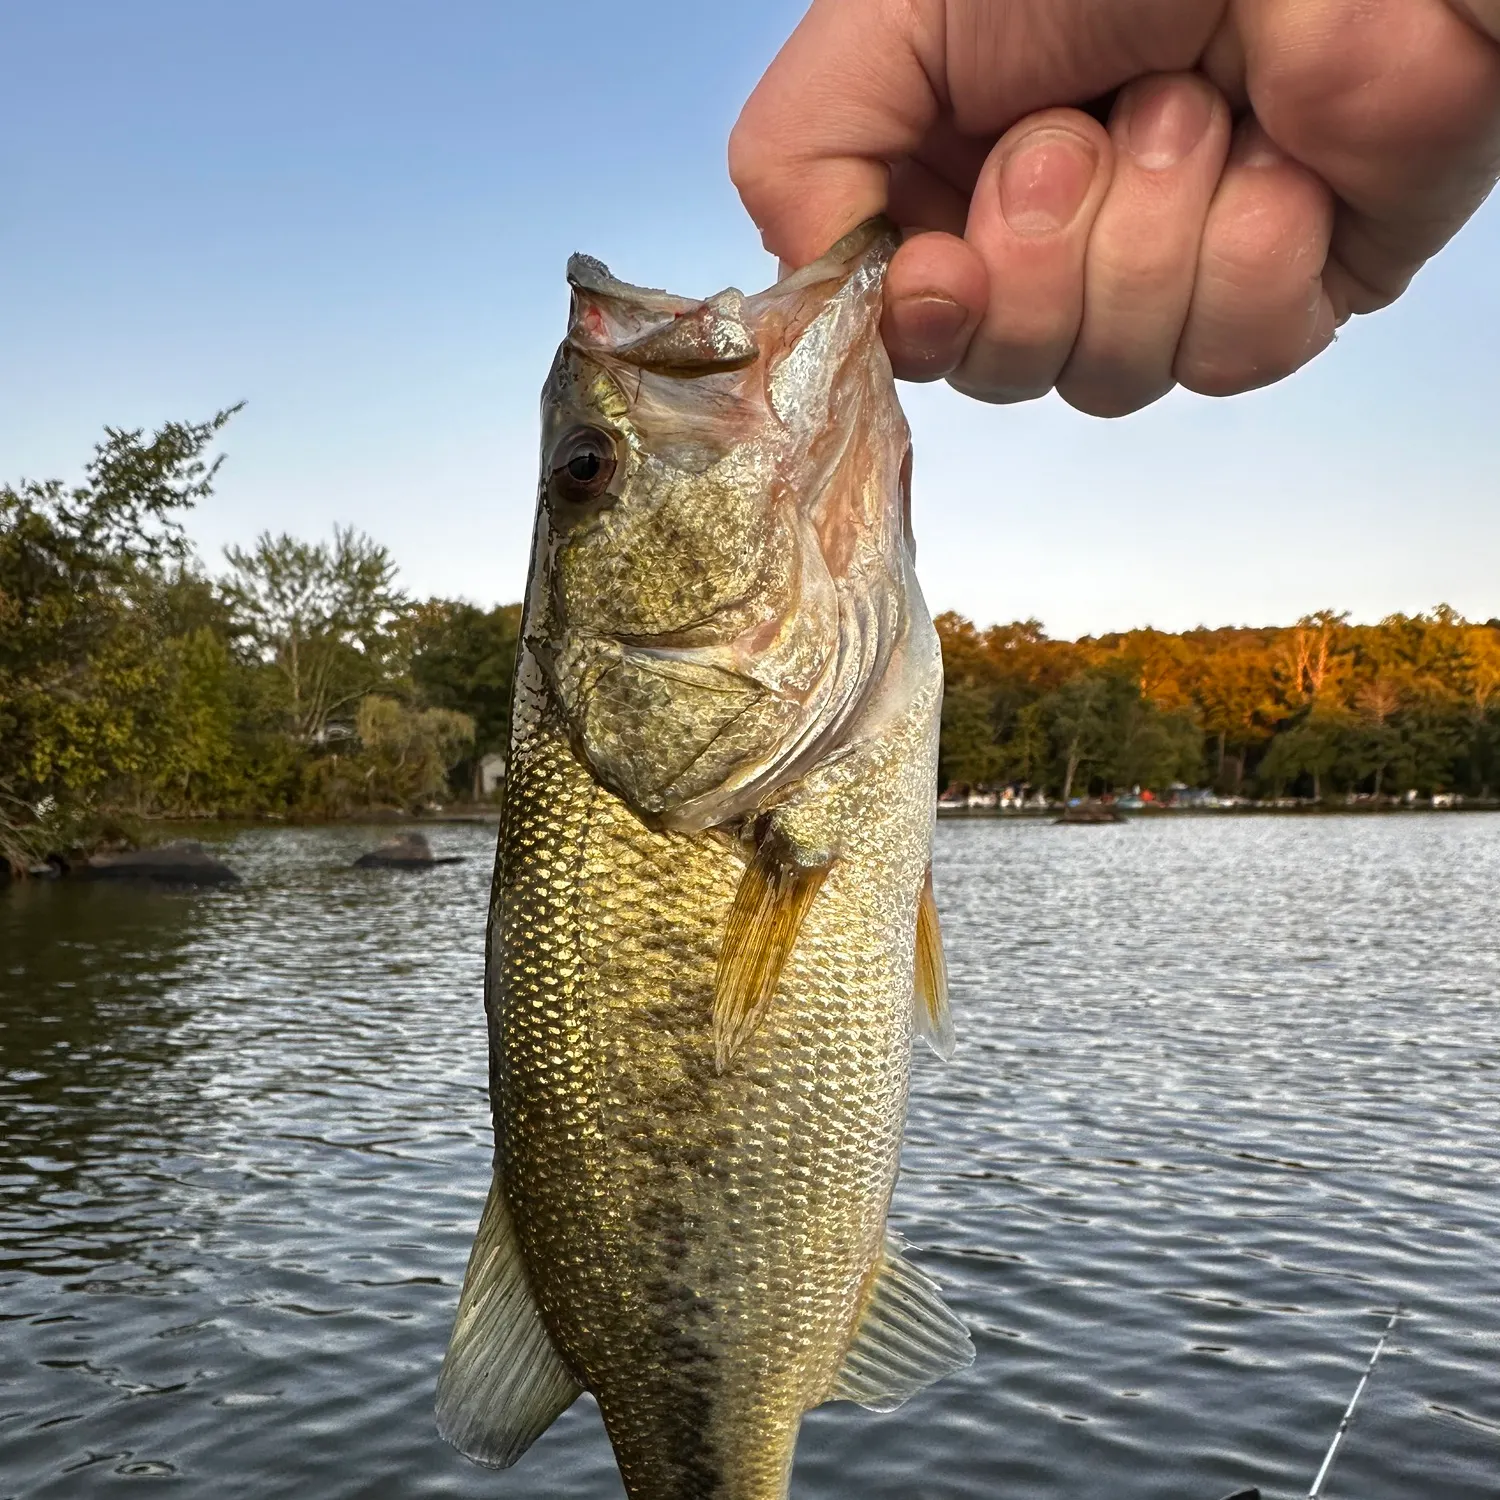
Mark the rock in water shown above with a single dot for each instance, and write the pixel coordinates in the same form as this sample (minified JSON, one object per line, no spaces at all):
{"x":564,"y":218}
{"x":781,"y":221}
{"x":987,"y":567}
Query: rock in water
{"x":410,"y":851}
{"x":182,"y":862}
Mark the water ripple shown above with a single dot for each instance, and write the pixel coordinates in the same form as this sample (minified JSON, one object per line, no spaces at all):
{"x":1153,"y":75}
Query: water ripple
{"x":1224,"y":1094}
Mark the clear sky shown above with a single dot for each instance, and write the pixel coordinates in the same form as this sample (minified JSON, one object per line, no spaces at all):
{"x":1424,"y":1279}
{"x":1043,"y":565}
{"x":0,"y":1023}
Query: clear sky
{"x":356,"y":217}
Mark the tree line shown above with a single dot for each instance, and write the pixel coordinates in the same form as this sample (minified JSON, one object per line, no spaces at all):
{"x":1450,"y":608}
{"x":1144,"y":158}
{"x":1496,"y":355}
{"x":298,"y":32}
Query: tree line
{"x":302,"y":681}
{"x":1317,"y":709}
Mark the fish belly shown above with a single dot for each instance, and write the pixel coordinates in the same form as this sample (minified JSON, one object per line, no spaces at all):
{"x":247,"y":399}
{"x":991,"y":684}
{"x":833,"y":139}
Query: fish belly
{"x":699,"y":1245}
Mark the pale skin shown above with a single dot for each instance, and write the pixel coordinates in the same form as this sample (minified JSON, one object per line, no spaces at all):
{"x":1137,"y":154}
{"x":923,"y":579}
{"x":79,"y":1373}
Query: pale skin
{"x":1266,"y":169}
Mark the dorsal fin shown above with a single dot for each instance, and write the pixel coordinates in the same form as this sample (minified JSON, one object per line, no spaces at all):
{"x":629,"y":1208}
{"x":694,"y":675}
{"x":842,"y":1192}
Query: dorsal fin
{"x":931,"y":1018}
{"x":907,"y":1337}
{"x":503,"y":1382}
{"x":769,"y":907}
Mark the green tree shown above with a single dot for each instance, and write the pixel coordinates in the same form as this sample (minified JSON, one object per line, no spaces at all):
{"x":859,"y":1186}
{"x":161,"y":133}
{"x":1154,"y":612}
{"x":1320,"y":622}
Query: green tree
{"x":322,"y":617}
{"x":1156,"y":749}
{"x":1311,"y":748}
{"x":463,"y":658}
{"x":83,"y":681}
{"x":1081,"y":718}
{"x":402,"y":759}
{"x":969,"y":755}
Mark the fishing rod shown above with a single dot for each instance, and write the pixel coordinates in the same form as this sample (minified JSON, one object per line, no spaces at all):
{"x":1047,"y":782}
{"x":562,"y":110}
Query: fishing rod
{"x":1359,"y":1390}
{"x":1338,"y":1437}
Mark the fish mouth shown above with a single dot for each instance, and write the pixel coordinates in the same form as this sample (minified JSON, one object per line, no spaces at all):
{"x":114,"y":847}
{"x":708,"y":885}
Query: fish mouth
{"x":689,"y":337}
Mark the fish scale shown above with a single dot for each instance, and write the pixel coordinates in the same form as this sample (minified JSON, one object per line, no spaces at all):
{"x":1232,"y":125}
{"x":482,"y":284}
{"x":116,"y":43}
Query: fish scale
{"x":704,"y":924}
{"x":747,"y":1207}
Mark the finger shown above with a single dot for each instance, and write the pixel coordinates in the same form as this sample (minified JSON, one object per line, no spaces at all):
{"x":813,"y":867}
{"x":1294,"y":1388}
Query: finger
{"x":1171,"y":136}
{"x":1396,"y":105}
{"x":1223,"y":64}
{"x":1029,"y":222}
{"x":1259,"y":310}
{"x":860,"y":83}
{"x":936,"y":291}
{"x":1483,"y":15}
{"x":849,"y":93}
{"x":936,"y":288}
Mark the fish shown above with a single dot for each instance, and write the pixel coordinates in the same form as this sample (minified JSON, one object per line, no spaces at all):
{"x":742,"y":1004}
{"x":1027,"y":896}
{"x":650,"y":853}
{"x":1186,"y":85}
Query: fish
{"x":712,"y":936}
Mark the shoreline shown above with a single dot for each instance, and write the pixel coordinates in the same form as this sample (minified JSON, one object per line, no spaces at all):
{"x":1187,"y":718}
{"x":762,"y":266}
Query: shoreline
{"x":461,"y":817}
{"x":1131,"y":814}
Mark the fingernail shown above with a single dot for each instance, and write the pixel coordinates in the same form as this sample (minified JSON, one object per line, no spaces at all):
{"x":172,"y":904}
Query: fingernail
{"x":1164,"y":120}
{"x":928,"y":327}
{"x":1044,"y":181}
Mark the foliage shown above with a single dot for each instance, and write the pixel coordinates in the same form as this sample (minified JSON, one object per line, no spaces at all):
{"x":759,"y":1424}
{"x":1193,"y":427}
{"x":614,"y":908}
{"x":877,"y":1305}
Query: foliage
{"x":85,"y":686}
{"x":1318,"y":708}
{"x":463,"y":658}
{"x":133,"y":684}
{"x":406,"y":752}
{"x":306,"y":683}
{"x":322,"y":617}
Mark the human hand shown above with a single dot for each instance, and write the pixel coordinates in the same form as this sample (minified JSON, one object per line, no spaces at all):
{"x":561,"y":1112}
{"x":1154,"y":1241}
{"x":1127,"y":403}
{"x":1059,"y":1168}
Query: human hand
{"x":1269,"y":168}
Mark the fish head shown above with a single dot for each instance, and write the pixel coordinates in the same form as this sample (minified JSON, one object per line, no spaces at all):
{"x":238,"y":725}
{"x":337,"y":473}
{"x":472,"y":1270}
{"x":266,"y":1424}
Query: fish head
{"x":723,"y":540}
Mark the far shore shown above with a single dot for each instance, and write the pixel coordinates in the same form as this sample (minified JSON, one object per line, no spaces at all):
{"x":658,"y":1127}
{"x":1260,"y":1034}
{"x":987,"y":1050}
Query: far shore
{"x":1249,"y":809}
{"x":491,"y":813}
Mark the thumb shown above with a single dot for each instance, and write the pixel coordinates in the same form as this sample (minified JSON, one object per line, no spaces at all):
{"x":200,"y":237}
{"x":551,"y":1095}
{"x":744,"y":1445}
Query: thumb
{"x":860,"y":84}
{"x":848,"y":94}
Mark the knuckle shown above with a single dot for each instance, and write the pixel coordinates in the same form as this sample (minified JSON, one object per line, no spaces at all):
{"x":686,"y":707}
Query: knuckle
{"x":749,"y":157}
{"x":1233,"y":369}
{"x":1386,"y":79}
{"x":1096,"y":395}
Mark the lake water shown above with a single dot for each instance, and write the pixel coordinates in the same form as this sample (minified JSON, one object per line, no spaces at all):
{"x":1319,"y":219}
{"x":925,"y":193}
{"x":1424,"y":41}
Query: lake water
{"x":1226,"y":1091}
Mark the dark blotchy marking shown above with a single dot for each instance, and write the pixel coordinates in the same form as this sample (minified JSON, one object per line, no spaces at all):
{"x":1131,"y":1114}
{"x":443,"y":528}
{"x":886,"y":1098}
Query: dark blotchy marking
{"x":687,"y":1426}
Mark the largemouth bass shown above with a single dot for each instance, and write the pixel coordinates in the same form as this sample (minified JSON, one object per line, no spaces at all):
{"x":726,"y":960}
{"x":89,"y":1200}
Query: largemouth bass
{"x":712,"y":932}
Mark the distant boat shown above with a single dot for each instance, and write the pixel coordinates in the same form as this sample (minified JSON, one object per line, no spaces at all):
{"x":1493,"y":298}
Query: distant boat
{"x":1091,"y":812}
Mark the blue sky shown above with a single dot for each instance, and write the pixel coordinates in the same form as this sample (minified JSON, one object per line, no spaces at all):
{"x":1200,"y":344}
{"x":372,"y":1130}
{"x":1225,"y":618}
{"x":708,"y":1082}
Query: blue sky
{"x":356,"y":218}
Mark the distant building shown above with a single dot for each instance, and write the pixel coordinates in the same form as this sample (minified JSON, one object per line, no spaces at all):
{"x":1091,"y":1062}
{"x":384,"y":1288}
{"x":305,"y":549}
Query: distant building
{"x":489,"y":777}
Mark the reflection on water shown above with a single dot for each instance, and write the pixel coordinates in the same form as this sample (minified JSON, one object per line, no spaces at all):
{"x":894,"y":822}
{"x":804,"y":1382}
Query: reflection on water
{"x":1225,"y":1091}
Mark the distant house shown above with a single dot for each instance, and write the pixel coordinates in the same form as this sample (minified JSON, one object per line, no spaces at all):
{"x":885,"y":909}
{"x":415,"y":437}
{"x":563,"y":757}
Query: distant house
{"x":489,"y":775}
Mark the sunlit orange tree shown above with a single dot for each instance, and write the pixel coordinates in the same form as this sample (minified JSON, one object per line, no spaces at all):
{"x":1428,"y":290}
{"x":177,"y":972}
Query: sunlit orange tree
{"x":1321,"y":708}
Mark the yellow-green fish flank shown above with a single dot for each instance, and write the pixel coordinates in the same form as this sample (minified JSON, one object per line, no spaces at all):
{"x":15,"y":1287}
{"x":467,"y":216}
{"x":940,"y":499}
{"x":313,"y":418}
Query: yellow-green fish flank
{"x":705,"y":922}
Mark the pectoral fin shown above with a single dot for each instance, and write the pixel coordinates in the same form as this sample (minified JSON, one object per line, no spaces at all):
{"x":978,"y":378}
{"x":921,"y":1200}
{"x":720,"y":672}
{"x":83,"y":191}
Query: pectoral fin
{"x":503,"y":1382}
{"x":769,"y":907}
{"x":907,"y":1338}
{"x":931,"y":1017}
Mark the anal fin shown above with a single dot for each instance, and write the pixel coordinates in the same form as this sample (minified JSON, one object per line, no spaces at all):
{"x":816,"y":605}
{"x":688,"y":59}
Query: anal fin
{"x":769,"y":907}
{"x":907,"y":1337}
{"x":931,"y":1017}
{"x":503,"y":1382}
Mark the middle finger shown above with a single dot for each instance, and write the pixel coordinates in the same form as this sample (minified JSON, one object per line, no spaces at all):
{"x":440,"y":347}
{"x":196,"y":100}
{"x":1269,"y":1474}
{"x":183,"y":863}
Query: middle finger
{"x":1171,"y":137}
{"x":1029,"y":220}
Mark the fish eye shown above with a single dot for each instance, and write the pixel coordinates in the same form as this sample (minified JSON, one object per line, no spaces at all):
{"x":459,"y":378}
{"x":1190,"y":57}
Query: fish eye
{"x":583,"y":463}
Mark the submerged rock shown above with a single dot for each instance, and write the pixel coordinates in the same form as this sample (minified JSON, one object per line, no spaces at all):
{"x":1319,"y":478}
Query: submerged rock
{"x":183,"y":862}
{"x":410,"y":851}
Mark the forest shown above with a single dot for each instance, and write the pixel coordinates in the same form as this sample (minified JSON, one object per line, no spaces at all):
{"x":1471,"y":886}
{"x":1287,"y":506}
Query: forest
{"x":1316,"y":710}
{"x":299,"y":680}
